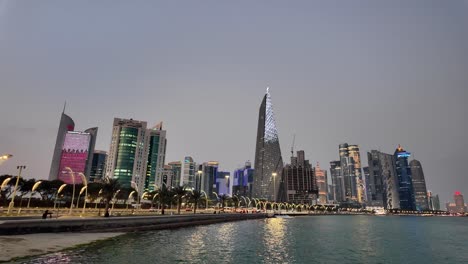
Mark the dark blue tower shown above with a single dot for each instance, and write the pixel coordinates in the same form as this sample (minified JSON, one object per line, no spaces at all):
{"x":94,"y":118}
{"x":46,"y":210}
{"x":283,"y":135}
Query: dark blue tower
{"x":403,"y":170}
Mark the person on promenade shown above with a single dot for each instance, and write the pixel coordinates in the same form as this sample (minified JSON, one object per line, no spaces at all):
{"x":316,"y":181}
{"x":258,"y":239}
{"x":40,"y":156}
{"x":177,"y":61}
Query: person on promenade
{"x":44,"y":215}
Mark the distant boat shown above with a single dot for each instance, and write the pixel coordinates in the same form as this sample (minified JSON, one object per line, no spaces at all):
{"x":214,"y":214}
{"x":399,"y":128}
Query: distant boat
{"x":283,"y":216}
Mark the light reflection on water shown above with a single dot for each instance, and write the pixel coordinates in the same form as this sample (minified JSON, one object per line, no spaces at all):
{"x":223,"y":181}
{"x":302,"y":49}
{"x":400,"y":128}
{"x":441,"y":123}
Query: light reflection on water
{"x":316,"y":239}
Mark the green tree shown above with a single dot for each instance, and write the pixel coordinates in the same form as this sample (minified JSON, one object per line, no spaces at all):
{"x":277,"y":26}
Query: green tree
{"x":179,"y":192}
{"x":164,"y":197}
{"x":223,"y":198}
{"x":195,"y":197}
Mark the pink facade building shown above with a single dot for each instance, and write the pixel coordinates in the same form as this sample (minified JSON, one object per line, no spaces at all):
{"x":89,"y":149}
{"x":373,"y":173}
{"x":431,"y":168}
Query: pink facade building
{"x":74,"y":155}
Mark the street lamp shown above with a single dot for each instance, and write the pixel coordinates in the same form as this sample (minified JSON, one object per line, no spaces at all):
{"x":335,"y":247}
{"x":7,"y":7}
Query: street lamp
{"x":85,"y":187}
{"x":5,"y":182}
{"x":206,"y":196}
{"x":274,"y":186}
{"x":73,"y":182}
{"x":198,"y":182}
{"x":130,"y":196}
{"x":35,"y":186}
{"x":78,"y":201}
{"x":113,"y":200}
{"x":12,"y":203}
{"x":99,"y":195}
{"x":58,"y":192}
{"x":5,"y":156}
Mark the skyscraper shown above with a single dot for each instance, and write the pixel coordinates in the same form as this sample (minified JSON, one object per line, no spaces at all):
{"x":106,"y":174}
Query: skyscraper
{"x":98,"y":166}
{"x":188,"y":172}
{"x":268,"y":160}
{"x":176,"y":168}
{"x":74,"y":156}
{"x":208,"y":176}
{"x":92,"y":142}
{"x":383,"y":180}
{"x":351,"y":182}
{"x":419,"y":185}
{"x":299,"y":180}
{"x":156,"y":141}
{"x":66,"y":124}
{"x":243,"y":180}
{"x":128,"y":153}
{"x":321,"y":176}
{"x":459,"y":204}
{"x":223,"y":183}
{"x":405,"y":191}
{"x":337,"y":181}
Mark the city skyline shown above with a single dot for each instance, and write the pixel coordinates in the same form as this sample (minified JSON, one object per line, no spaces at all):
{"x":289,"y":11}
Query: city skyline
{"x":386,"y":82}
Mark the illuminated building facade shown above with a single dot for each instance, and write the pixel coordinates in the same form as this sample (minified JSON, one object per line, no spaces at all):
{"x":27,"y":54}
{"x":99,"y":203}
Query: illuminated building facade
{"x":176,"y":168}
{"x":405,"y":182}
{"x":189,"y":170}
{"x":156,"y":142}
{"x":459,"y":204}
{"x":66,"y":124}
{"x":419,"y":186}
{"x":128,"y":153}
{"x":299,"y":180}
{"x":268,"y":160}
{"x":98,"y":166}
{"x":74,"y":156}
{"x":168,"y":178}
{"x":223,"y":183}
{"x":207,"y":179}
{"x":350,"y":183}
{"x":243,"y":181}
{"x":322,"y":184}
{"x":337,"y":181}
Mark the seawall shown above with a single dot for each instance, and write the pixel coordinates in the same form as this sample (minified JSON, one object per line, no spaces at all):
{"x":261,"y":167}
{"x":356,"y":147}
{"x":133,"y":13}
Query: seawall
{"x":117,"y":224}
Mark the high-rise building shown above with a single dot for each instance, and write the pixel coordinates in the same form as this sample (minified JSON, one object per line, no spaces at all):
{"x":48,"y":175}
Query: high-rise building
{"x":321,"y":176}
{"x":354,"y":154}
{"x":92,"y":142}
{"x":128,"y":153}
{"x":66,"y":124}
{"x":405,"y":182}
{"x":168,"y":178}
{"x":268,"y":160}
{"x":176,"y":168}
{"x":243,"y":180}
{"x":351,"y":184}
{"x":188,"y":172}
{"x":74,"y":156}
{"x":459,"y":204}
{"x":365,"y":171}
{"x":337,"y":181}
{"x":299,"y":180}
{"x":223,"y":183}
{"x":98,"y":166}
{"x":436,"y":202}
{"x":383,"y":181}
{"x":419,"y":186}
{"x":156,"y":141}
{"x":207,"y":179}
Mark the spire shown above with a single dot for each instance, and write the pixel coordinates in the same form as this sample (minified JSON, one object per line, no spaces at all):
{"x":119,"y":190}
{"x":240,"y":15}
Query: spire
{"x":64,"y":106}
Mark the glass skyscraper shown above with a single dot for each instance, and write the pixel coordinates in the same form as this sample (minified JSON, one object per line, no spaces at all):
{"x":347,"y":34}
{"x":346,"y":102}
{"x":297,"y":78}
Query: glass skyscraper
{"x":66,"y":124}
{"x":403,"y":170}
{"x":156,"y":141}
{"x":419,"y":185}
{"x":268,"y":160}
{"x":98,"y":166}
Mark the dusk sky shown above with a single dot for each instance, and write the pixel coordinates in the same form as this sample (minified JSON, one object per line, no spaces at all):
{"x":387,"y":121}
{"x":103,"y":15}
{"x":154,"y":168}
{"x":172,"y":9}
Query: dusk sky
{"x":372,"y":73}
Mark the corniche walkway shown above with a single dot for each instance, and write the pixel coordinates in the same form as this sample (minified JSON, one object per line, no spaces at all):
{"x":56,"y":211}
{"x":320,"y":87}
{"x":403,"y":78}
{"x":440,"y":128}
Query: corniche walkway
{"x":21,"y":238}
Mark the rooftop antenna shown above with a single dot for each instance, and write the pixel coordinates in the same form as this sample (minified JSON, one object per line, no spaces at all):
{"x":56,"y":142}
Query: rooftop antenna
{"x":292,"y":146}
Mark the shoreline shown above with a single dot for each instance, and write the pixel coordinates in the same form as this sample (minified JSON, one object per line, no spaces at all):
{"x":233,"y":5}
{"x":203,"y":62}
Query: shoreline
{"x":30,"y":245}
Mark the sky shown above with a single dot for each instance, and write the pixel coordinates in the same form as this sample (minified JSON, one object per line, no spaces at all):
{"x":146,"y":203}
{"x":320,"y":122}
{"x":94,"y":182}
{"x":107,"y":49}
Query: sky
{"x":372,"y":73}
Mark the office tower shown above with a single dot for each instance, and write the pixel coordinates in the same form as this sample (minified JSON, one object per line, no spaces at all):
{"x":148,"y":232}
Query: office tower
{"x":188,"y":172}
{"x":168,"y":178}
{"x":92,"y":142}
{"x":207,"y":179}
{"x":268,"y":161}
{"x":299,"y":180}
{"x":98,"y":166}
{"x":419,"y":186}
{"x":176,"y":168}
{"x":243,"y":180}
{"x":337,"y":181}
{"x":321,"y":176}
{"x":403,"y":170}
{"x":383,"y":180}
{"x":352,"y":185}
{"x":354,"y":154}
{"x":331,"y":194}
{"x":430,"y":200}
{"x":74,"y":156}
{"x":66,"y":124}
{"x":365,"y":171}
{"x":459,"y":204}
{"x":223,"y":183}
{"x":436,"y":202}
{"x":128,"y":153}
{"x":156,"y":141}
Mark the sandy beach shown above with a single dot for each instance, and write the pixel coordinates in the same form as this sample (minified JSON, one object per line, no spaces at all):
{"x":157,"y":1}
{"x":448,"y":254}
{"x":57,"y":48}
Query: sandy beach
{"x":38,"y":244}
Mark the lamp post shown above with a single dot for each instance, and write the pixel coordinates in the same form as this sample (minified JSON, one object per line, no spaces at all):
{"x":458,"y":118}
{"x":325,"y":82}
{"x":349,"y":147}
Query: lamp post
{"x":198,"y":182}
{"x":137,"y":190}
{"x":130,"y":196}
{"x":206,"y":196}
{"x":12,"y":203}
{"x":5,"y":182}
{"x":73,"y":182}
{"x":217,"y":198}
{"x":5,"y":157}
{"x":58,"y":192}
{"x":113,"y":201}
{"x":99,"y":195}
{"x":85,"y":183}
{"x":274,"y":186}
{"x":35,"y":186}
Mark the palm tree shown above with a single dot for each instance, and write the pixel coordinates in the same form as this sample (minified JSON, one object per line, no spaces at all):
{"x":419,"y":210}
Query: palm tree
{"x":179,"y":193}
{"x":110,"y":186}
{"x":224,"y":198}
{"x":235,"y":200}
{"x":195,"y":197}
{"x":164,"y":196}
